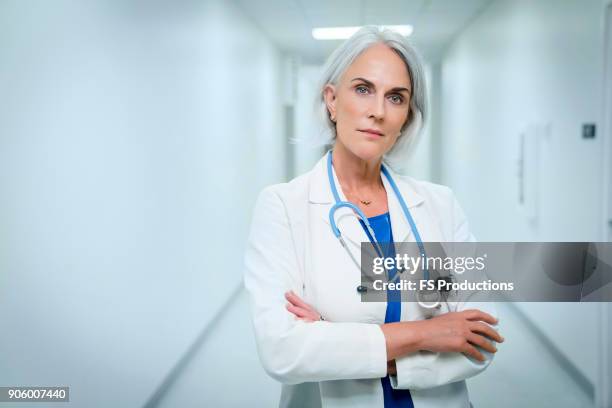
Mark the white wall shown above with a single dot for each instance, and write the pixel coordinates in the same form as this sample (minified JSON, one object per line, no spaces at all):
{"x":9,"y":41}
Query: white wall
{"x":523,"y":61}
{"x":307,"y":122}
{"x":607,"y":123}
{"x":520,"y":62}
{"x":126,"y":133}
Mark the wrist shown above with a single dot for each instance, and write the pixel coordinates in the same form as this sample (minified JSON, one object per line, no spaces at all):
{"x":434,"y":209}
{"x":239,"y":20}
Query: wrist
{"x":413,"y":337}
{"x":402,"y":338}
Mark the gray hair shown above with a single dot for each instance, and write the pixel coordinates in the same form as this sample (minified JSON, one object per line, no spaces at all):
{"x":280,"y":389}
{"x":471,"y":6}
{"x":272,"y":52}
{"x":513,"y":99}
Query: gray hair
{"x":339,"y":61}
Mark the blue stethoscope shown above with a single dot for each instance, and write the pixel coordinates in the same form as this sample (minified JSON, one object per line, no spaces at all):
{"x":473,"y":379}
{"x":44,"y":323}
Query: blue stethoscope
{"x":431,"y":302}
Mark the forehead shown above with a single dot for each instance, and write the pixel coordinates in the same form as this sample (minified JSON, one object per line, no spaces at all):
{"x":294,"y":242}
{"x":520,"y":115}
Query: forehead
{"x":380,"y":65}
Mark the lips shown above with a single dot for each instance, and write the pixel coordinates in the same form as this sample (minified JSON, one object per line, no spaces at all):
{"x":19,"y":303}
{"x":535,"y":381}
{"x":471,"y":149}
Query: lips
{"x":372,"y":132}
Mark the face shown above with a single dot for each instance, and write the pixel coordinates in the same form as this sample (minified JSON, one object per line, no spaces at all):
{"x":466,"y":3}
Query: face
{"x":370,"y":103}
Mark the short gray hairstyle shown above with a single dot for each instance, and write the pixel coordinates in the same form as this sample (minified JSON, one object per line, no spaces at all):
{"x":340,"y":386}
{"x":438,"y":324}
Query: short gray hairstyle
{"x":339,"y":61}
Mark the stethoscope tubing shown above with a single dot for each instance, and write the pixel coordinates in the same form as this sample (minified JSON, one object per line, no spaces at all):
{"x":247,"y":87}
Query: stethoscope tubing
{"x":337,"y":233}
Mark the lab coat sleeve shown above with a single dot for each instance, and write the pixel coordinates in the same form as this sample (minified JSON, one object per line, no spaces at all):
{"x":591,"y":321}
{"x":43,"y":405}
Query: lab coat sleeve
{"x":426,"y":369}
{"x":293,"y":351}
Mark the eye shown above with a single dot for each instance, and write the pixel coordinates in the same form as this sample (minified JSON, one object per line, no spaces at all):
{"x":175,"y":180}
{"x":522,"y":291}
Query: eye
{"x":396,"y":99}
{"x":362,"y":89}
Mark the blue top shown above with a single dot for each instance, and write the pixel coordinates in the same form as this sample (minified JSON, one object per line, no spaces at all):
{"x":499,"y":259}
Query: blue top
{"x":381,"y":225}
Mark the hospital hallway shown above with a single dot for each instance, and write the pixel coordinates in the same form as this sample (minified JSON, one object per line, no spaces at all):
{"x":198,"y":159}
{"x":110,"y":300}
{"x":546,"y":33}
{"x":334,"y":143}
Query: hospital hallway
{"x":136,"y":137}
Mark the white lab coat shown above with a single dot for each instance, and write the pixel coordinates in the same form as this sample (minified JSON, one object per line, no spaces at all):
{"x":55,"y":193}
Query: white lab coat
{"x":339,"y":362}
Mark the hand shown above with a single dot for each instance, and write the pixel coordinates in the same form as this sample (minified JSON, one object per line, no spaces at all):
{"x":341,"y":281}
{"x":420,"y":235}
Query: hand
{"x":459,"y":332}
{"x":301,"y":309}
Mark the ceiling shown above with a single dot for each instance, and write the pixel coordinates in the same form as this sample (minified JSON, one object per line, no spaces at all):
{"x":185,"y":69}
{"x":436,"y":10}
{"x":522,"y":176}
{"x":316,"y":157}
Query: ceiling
{"x":288,"y":23}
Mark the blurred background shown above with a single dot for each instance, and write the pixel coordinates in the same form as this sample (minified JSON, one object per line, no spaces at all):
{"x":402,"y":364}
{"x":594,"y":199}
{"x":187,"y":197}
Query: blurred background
{"x":135,"y":136}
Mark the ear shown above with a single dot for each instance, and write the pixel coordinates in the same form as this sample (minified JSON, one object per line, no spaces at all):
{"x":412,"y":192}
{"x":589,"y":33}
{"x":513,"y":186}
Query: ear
{"x":329,"y":96}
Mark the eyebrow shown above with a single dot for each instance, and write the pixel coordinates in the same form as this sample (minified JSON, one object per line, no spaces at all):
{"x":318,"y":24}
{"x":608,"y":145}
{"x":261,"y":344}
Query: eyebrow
{"x":371,"y":84}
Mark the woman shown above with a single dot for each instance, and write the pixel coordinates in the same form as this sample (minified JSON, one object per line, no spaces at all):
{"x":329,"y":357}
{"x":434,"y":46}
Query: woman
{"x":327,"y":347}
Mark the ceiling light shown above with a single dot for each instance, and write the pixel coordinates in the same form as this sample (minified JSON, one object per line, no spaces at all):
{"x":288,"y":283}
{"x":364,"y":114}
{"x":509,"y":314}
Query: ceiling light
{"x":342,"y":33}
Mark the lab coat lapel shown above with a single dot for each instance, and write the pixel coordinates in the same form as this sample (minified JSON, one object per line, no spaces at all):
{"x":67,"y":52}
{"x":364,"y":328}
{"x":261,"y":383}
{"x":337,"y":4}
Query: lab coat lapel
{"x":399,"y":223}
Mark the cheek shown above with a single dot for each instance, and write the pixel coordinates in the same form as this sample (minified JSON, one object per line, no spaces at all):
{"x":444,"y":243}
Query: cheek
{"x":399,"y":120}
{"x":403,"y":118}
{"x":352,"y":106}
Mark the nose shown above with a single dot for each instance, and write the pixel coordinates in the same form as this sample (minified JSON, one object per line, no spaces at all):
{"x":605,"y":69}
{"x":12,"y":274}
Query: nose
{"x":377,"y":109}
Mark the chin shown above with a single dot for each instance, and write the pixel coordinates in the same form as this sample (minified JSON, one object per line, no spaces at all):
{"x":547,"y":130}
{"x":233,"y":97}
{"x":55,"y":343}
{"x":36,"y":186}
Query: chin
{"x":368,"y":151}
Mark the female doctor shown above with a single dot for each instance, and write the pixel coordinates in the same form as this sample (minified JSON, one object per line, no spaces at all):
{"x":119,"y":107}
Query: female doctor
{"x":313,"y":332}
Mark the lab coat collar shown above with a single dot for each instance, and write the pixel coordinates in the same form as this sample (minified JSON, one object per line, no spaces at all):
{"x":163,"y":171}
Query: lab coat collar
{"x":320,"y":194}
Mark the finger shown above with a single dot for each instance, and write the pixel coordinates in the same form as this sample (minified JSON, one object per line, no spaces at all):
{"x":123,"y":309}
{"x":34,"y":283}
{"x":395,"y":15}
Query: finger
{"x":307,"y":308}
{"x":291,"y":299}
{"x":298,"y":311}
{"x":481,"y":342}
{"x":471,"y":351}
{"x":479,"y":327}
{"x":475,"y":314}
{"x":296,"y":300}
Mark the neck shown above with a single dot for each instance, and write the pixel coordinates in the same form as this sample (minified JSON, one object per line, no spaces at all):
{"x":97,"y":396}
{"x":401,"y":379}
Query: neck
{"x":354,"y":173}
